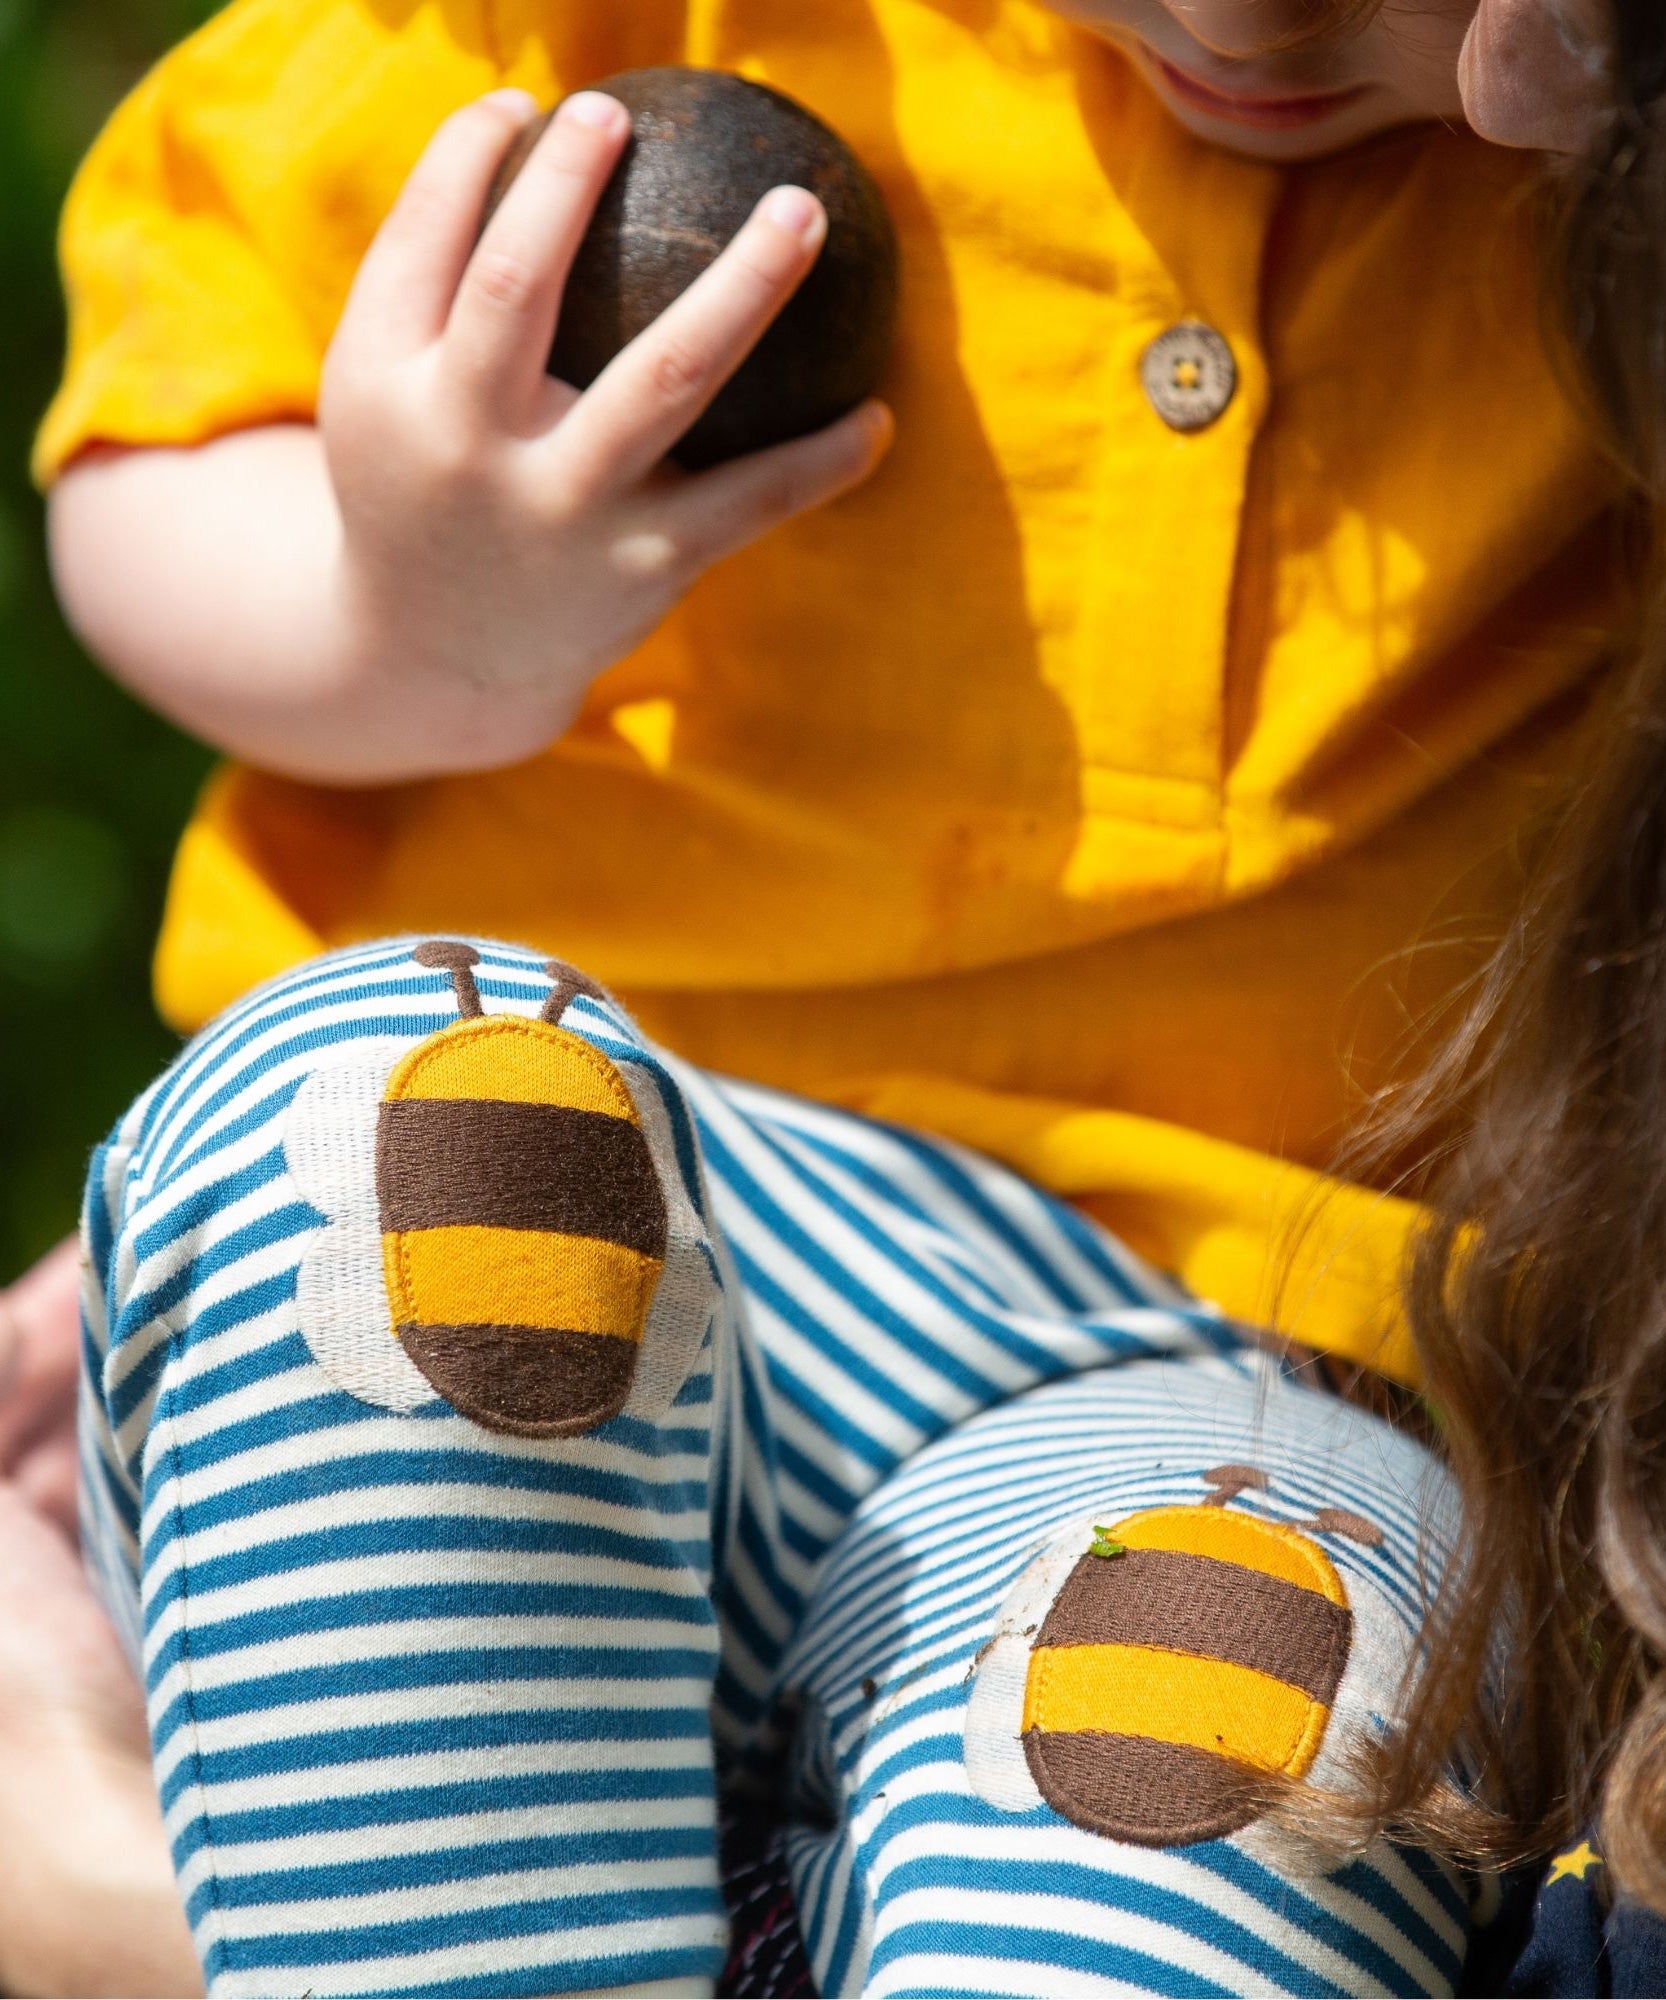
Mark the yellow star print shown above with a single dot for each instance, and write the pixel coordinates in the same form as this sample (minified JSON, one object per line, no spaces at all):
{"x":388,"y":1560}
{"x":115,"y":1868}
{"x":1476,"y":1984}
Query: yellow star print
{"x":1578,"y":1863}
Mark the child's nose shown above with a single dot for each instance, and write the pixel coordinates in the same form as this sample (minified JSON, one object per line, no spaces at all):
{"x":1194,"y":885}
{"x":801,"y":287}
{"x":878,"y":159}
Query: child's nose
{"x":1539,"y":73}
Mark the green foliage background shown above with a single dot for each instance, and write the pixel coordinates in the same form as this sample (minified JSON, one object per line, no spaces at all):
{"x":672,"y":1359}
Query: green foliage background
{"x":95,"y":789}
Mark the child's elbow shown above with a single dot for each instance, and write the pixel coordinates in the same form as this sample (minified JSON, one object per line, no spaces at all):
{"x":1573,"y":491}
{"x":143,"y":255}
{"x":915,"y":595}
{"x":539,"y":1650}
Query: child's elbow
{"x":87,"y":547}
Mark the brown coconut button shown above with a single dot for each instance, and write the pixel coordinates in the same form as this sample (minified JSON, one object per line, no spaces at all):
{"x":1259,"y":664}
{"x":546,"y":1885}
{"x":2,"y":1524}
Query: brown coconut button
{"x":1189,"y":375}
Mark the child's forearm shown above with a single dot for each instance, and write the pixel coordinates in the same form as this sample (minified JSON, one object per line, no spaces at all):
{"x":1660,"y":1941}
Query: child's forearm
{"x":208,"y":582}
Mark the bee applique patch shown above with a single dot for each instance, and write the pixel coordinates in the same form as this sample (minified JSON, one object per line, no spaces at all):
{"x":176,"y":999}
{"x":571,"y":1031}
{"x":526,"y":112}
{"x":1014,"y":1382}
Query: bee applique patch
{"x":504,"y":1222}
{"x":1145,"y":1665}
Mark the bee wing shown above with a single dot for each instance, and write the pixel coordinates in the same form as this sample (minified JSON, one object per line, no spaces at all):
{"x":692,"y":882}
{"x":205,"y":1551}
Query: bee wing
{"x":341,"y":1295}
{"x":687,"y":1292}
{"x":993,"y":1747}
{"x":329,"y":1136}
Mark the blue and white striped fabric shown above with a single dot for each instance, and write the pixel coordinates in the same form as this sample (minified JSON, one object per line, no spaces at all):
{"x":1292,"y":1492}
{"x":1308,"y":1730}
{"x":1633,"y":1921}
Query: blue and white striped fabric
{"x":434,"y":1708}
{"x":910,"y":1882}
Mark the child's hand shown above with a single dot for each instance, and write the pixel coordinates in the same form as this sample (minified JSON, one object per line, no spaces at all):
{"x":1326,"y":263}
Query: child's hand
{"x":500,"y":532}
{"x":429,"y":582}
{"x":87,"y":1897}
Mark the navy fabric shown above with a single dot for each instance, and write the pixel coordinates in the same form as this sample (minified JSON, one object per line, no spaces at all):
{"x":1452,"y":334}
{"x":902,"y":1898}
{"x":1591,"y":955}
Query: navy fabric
{"x":1559,"y":1935}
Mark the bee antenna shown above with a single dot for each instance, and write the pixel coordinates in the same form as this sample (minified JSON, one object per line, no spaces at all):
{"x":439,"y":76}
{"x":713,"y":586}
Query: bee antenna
{"x":1338,"y":1521}
{"x":569,"y":984}
{"x":1231,"y":1480}
{"x":445,"y":955}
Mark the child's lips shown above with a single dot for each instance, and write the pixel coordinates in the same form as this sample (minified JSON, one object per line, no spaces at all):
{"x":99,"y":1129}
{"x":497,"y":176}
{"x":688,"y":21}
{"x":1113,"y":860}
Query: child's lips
{"x":1267,"y":111}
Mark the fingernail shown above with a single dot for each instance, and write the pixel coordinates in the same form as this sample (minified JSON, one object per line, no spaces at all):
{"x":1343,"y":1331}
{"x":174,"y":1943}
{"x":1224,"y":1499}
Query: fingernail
{"x":592,"y":107}
{"x":521,"y":102}
{"x":794,"y":210}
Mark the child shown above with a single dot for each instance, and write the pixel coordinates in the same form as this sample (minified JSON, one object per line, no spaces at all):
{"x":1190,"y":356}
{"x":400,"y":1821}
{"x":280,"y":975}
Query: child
{"x":481,"y":1392}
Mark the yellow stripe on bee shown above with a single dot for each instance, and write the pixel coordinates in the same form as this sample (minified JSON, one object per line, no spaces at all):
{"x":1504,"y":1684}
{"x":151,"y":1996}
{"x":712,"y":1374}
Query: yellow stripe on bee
{"x":1175,"y":1698}
{"x":1216,"y":1532}
{"x":471,"y":1276}
{"x":507,"y":1060}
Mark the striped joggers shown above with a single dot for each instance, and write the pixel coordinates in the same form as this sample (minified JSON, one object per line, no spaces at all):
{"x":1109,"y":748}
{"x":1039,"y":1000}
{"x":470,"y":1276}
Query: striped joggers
{"x":498,"y":1434}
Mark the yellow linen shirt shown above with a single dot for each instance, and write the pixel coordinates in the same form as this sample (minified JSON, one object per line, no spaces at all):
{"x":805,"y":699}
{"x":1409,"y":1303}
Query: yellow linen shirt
{"x":1118,"y":801}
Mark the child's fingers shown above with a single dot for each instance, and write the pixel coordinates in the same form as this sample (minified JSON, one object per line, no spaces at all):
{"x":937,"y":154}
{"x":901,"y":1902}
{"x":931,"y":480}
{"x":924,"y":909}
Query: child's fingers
{"x":502,"y":322}
{"x":401,"y":297}
{"x":48,"y":1480}
{"x":718,"y":512}
{"x":648,"y":396}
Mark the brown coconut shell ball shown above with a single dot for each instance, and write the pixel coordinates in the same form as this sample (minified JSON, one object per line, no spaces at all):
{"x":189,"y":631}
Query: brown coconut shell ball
{"x":705,"y":148}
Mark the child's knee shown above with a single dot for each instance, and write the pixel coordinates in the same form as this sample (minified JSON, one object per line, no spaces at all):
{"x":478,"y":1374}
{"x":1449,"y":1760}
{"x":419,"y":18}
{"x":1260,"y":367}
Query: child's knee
{"x":1055,"y":1661}
{"x":462,"y":1162}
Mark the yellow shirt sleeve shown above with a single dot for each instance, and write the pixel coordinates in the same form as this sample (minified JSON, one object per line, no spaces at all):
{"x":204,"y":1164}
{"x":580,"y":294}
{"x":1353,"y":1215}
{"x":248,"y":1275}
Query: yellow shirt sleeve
{"x":212,"y":233}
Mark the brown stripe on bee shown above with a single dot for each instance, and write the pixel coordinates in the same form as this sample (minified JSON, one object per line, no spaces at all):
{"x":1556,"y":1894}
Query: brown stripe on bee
{"x":443,"y":1161}
{"x":1132,"y":1788}
{"x":1211,"y":1609}
{"x":526,"y":1382}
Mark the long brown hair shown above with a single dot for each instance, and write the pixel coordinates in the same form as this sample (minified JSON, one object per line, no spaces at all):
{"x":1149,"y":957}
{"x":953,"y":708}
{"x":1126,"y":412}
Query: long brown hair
{"x":1537,"y":1295}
